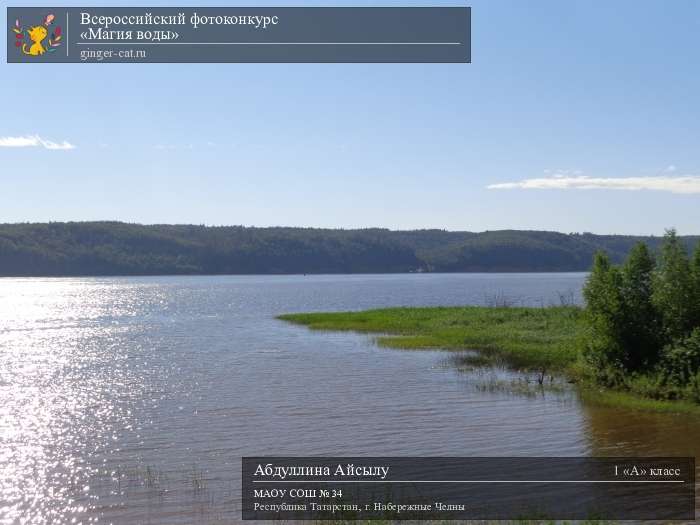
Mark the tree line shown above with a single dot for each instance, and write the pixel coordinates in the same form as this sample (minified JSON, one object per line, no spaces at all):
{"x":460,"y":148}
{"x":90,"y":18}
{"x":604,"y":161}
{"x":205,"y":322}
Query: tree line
{"x":643,"y":320}
{"x":116,"y":248}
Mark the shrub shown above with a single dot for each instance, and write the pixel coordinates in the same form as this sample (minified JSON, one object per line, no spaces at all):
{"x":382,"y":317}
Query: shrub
{"x":681,"y":361}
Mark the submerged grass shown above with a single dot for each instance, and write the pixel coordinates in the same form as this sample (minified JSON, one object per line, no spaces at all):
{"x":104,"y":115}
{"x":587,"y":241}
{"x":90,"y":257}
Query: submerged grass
{"x":521,"y":387}
{"x":530,"y":338}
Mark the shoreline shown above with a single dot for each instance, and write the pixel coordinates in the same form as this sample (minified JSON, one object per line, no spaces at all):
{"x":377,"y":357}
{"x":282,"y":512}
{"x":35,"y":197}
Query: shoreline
{"x":311,"y":274}
{"x":529,"y":339}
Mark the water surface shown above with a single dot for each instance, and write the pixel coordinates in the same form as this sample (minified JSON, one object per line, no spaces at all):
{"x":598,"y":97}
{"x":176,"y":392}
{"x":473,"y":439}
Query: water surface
{"x":132,"y":400}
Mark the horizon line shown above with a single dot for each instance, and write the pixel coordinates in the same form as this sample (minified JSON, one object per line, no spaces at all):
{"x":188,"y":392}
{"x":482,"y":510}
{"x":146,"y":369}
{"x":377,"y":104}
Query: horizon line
{"x":341,"y":228}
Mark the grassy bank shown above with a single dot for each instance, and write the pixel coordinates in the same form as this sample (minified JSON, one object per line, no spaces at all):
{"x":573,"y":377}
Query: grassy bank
{"x":532,"y":338}
{"x":539,"y":339}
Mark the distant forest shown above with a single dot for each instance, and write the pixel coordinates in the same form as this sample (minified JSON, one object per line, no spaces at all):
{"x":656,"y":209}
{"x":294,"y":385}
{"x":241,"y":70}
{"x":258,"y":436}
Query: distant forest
{"x":116,"y":248}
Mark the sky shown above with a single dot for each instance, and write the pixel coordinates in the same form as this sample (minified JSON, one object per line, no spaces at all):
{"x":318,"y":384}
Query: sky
{"x":573,"y":116}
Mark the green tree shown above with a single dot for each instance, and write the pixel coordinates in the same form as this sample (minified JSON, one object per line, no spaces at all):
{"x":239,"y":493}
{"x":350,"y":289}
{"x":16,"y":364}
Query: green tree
{"x":673,"y":288}
{"x":597,"y":284}
{"x":604,"y":314}
{"x":639,"y":326}
{"x":695,"y":276}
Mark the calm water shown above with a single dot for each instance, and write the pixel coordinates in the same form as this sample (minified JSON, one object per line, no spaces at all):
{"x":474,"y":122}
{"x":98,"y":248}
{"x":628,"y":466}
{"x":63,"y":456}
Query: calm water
{"x":131,"y":400}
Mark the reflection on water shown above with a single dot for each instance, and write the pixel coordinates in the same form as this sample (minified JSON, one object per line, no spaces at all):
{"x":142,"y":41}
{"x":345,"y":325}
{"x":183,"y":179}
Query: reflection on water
{"x":132,"y":400}
{"x":612,"y":431}
{"x":618,"y":432}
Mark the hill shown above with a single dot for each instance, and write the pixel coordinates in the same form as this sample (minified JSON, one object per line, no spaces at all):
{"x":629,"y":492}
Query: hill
{"x":116,"y":248}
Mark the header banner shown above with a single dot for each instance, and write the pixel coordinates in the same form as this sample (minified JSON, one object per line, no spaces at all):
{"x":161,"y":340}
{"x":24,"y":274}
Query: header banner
{"x":238,"y":34}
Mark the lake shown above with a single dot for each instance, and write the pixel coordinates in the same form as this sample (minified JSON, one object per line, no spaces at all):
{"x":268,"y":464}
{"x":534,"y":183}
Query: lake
{"x":132,"y":400}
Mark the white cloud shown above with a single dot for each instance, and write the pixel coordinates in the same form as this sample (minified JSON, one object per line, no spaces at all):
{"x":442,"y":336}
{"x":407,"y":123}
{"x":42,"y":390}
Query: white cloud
{"x":56,"y":145}
{"x":33,"y":141}
{"x":675,"y":184}
{"x":18,"y":142}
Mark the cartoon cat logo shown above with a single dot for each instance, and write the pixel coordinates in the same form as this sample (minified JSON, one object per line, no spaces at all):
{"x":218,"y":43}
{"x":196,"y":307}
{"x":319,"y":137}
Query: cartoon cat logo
{"x":37,"y":35}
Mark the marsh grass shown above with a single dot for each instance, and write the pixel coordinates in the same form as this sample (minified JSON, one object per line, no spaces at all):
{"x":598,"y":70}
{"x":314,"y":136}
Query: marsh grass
{"x":197,"y":480}
{"x":157,"y":481}
{"x":469,"y":361}
{"x":520,"y":386}
{"x":526,"y":338}
{"x":148,"y":476}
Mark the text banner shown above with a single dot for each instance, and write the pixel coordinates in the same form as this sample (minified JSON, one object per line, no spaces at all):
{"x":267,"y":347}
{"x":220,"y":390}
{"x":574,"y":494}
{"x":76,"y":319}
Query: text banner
{"x":343,"y":488}
{"x":240,"y":34}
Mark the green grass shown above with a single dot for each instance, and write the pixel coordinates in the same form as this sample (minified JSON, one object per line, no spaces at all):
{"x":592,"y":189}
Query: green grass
{"x":529,"y":338}
{"x":621,"y":399}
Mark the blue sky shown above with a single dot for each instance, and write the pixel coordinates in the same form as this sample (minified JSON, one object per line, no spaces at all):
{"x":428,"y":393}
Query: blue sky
{"x":573,"y":116}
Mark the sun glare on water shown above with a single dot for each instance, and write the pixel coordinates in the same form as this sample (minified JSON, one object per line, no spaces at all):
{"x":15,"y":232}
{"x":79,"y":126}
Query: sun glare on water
{"x":65,"y":393}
